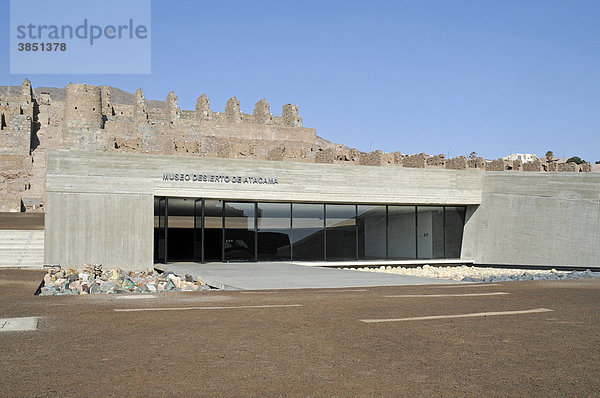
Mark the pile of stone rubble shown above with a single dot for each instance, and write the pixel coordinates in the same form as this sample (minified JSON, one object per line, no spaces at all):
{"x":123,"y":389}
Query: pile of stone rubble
{"x":481,"y":274}
{"x":93,"y":280}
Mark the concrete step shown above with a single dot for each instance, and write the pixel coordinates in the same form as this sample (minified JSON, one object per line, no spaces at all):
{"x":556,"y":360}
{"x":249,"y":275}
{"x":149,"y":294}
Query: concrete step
{"x":21,"y":252}
{"x":8,"y":232}
{"x":19,"y":240}
{"x":9,"y":236}
{"x":19,"y":236}
{"x":15,"y":245}
{"x":21,"y":248}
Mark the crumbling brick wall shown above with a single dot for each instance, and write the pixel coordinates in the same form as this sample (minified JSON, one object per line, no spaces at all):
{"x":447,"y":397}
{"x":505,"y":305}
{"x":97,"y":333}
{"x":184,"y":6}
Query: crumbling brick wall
{"x":536,"y":165}
{"x":459,"y":163}
{"x":415,"y":161}
{"x":325,"y":156}
{"x":376,"y":158}
{"x":477,"y":163}
{"x":496,"y":165}
{"x":568,"y":167}
{"x":15,"y":176}
{"x":262,"y":112}
{"x":436,"y":162}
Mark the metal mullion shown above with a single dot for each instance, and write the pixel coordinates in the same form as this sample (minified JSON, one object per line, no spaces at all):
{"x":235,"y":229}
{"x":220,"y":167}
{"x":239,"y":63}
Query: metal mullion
{"x":356,"y":229}
{"x":324,"y":231}
{"x":202,"y":224}
{"x":387,"y":233}
{"x":223,"y":231}
{"x":255,"y":231}
{"x":417,"y":232}
{"x":166,"y":229}
{"x":291,"y":232}
{"x":194,"y":249}
{"x":444,"y":230}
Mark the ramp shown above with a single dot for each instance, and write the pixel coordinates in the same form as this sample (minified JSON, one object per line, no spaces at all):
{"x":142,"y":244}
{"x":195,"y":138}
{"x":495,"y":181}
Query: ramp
{"x":265,"y":276}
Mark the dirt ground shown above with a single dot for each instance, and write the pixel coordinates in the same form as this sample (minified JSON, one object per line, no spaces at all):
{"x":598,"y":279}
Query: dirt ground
{"x":27,"y":221}
{"x":319,"y":347}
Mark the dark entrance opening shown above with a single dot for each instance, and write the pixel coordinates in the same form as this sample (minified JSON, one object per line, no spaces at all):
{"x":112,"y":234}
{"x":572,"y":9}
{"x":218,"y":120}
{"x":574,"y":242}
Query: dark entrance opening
{"x":180,"y":245}
{"x":213,"y":230}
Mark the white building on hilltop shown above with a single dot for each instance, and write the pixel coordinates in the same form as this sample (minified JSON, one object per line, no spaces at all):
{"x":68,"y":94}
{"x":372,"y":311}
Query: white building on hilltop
{"x":523,"y":157}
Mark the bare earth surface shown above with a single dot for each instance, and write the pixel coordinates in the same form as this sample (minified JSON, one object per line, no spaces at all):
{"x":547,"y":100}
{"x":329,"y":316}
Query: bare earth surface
{"x":315,"y":346}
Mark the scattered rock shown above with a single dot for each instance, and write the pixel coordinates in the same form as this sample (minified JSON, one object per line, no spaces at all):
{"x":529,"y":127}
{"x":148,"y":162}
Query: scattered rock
{"x":93,"y":280}
{"x":107,"y":287}
{"x":95,"y":289}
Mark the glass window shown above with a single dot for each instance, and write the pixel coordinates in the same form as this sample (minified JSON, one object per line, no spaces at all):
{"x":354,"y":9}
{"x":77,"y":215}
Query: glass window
{"x":274,"y":231}
{"x":198,"y":230}
{"x":430,"y":232}
{"x":213,"y":224}
{"x":455,"y":222}
{"x":340,"y":236}
{"x":239,"y":231}
{"x":401,"y":233}
{"x":307,"y":232}
{"x":192,"y":229}
{"x":159,"y":230}
{"x":371,"y":232}
{"x":180,"y":240}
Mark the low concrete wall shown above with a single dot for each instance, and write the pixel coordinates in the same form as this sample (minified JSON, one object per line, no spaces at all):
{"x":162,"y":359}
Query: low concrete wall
{"x":536,"y":219}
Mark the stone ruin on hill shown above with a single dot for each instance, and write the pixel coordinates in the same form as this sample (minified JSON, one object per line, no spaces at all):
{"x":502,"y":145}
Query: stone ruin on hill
{"x":101,"y":118}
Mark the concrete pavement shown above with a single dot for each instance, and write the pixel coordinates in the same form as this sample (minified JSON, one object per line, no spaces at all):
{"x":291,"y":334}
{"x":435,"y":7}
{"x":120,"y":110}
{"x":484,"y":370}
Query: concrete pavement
{"x":275,"y":275}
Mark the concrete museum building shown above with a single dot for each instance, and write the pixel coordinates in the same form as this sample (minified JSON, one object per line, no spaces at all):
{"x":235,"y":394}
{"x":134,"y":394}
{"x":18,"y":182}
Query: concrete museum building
{"x":128,"y":182}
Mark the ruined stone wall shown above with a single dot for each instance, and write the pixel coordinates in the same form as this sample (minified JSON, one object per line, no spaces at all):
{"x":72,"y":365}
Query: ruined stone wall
{"x":83,"y":107}
{"x":16,"y":121}
{"x":415,"y":161}
{"x":83,"y":126}
{"x":459,"y":163}
{"x":536,"y":165}
{"x":101,"y":118}
{"x":15,"y":176}
{"x":376,"y":158}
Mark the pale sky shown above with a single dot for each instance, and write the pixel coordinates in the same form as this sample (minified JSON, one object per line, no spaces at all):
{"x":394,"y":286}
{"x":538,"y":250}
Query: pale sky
{"x":494,"y":77}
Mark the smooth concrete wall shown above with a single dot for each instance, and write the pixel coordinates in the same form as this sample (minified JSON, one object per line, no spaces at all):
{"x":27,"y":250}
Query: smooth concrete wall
{"x":549,"y":219}
{"x":297,"y":181}
{"x":91,"y":218}
{"x":99,"y":206}
{"x":110,"y":229}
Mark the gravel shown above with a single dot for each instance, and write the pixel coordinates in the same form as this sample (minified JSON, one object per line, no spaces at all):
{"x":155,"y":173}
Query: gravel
{"x":482,"y":274}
